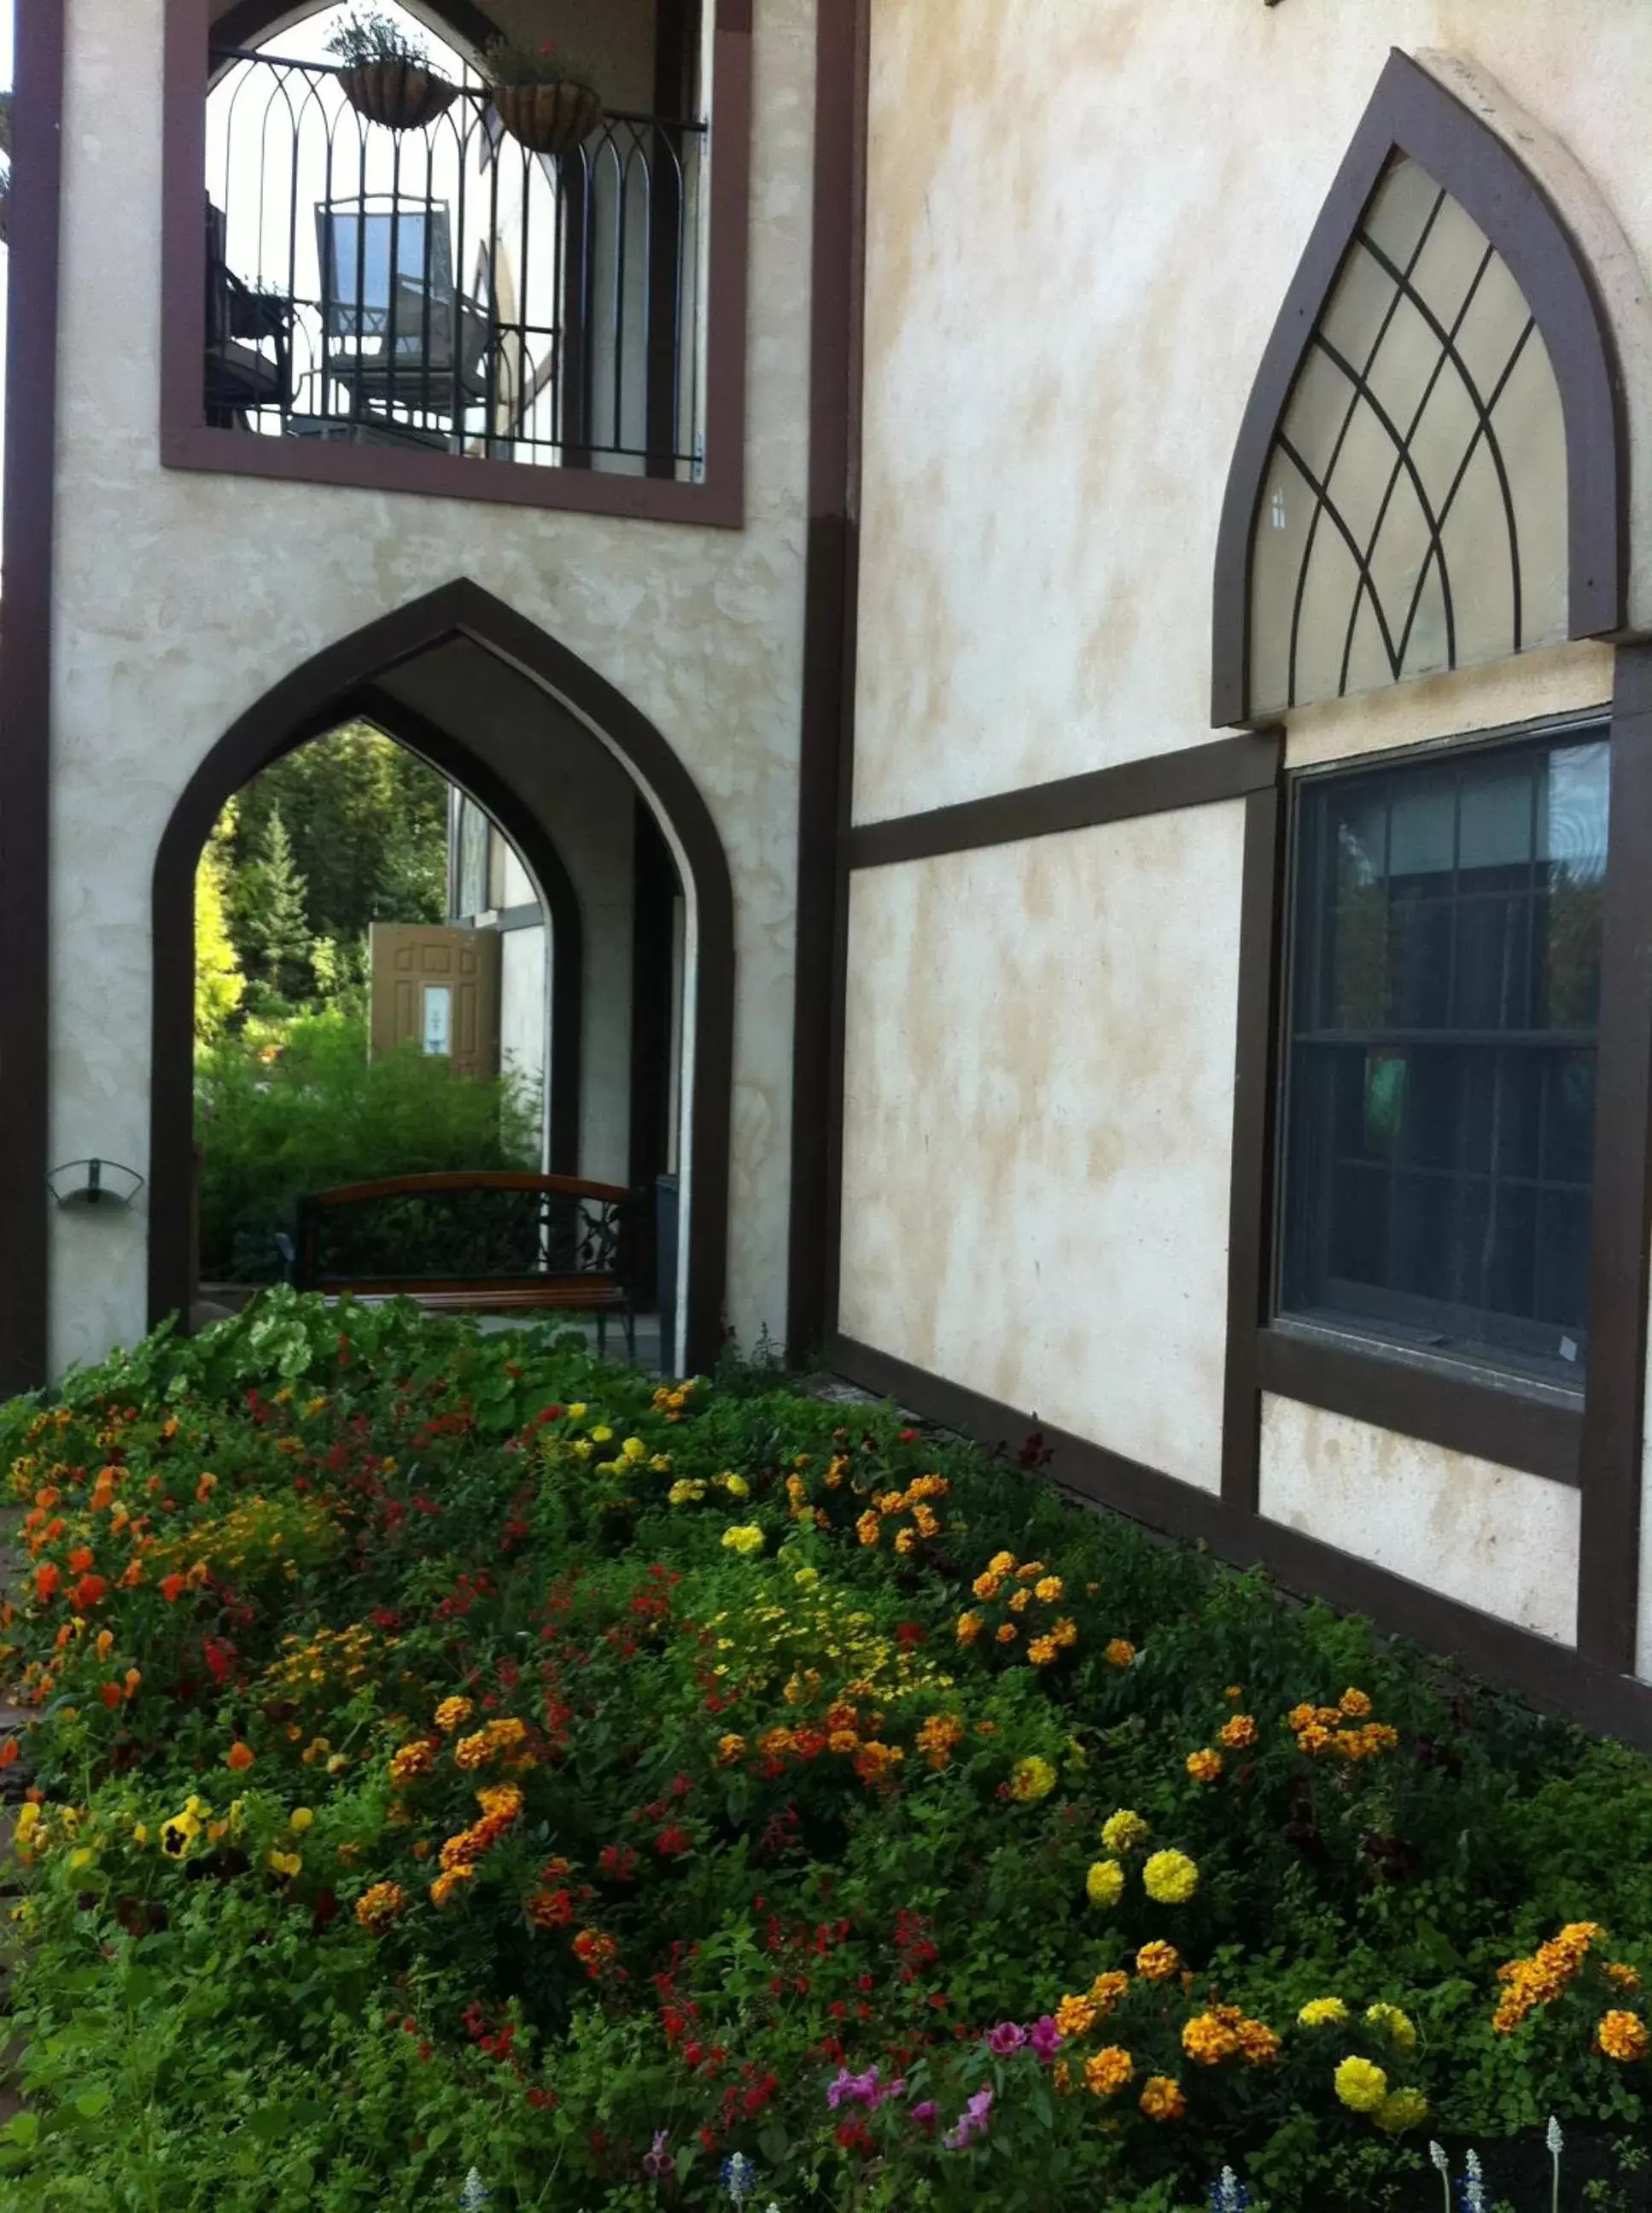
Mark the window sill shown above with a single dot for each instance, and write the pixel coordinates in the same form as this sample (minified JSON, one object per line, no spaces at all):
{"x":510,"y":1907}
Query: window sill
{"x":1508,"y":1420}
{"x":712,"y":505}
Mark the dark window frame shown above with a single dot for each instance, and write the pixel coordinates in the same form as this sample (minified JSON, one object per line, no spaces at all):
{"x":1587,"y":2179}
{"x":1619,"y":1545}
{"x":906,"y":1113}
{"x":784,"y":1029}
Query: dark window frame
{"x":1508,"y":1357}
{"x":188,"y":441}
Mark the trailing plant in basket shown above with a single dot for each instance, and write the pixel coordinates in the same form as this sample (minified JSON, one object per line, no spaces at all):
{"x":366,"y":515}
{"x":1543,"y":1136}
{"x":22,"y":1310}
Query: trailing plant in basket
{"x":385,"y":70}
{"x":546,"y":101}
{"x":520,"y":61}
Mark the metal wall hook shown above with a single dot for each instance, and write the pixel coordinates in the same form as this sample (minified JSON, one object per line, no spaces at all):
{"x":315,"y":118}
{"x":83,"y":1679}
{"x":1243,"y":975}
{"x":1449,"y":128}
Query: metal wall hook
{"x":93,"y":1183}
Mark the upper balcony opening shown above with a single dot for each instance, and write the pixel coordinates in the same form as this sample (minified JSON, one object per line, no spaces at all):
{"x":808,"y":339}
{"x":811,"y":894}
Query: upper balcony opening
{"x":416,"y":254}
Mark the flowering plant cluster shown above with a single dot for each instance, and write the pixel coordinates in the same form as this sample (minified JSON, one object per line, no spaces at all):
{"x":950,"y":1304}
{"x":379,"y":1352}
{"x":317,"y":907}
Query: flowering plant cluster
{"x":448,"y":1753}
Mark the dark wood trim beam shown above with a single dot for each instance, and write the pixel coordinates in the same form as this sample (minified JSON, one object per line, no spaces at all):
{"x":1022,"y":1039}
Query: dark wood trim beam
{"x":1191,"y":775}
{"x":1487,"y":1420}
{"x":1548,"y":1673}
{"x":30,"y":460}
{"x":250,"y":22}
{"x":1608,"y":1594}
{"x":825,"y":765}
{"x":1250,"y":1203}
{"x":188,"y":441}
{"x":1413,"y":112}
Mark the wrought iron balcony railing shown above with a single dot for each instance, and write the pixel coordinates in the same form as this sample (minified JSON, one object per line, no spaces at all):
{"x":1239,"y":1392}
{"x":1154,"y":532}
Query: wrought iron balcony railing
{"x":447,"y":288}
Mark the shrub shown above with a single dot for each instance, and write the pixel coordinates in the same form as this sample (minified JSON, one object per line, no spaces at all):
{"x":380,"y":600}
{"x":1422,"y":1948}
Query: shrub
{"x":295,"y":1107}
{"x":450,"y":1752}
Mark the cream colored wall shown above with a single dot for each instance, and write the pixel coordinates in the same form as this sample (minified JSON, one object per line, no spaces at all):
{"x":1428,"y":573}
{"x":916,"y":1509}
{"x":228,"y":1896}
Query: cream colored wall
{"x":1081,"y":223}
{"x":1037,"y":1118}
{"x":1490,"y":1537}
{"x":181,"y":599}
{"x":1073,"y":267}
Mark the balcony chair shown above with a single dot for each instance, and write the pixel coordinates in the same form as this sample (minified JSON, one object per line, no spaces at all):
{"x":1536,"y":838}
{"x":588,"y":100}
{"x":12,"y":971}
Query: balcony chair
{"x":410,"y":342}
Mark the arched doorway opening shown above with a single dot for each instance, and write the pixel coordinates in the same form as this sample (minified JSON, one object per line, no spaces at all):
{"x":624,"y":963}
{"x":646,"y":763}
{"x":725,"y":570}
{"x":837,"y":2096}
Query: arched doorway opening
{"x":476,"y":690}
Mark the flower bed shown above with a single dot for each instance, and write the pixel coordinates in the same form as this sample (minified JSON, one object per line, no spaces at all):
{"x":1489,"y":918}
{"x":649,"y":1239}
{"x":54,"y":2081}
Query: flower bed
{"x":450,"y":1752}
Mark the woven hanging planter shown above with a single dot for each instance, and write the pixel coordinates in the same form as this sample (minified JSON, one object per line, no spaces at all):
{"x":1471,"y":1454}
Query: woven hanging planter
{"x":548,"y":119}
{"x":401,"y":95}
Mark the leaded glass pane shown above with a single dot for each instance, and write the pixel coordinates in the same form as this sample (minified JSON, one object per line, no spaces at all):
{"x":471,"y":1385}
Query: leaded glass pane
{"x":1413,"y":518}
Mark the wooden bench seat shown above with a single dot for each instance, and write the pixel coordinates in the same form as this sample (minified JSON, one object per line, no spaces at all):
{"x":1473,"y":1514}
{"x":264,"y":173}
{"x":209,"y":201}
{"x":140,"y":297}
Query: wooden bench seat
{"x":505,"y":1241}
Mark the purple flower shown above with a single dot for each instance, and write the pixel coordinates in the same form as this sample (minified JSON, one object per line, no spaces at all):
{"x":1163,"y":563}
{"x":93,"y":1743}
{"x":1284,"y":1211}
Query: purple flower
{"x":973,"y":2122}
{"x":1005,"y":2039}
{"x":1044,"y":2038}
{"x":658,"y":2164}
{"x":926,"y":2113}
{"x":847,"y":2089}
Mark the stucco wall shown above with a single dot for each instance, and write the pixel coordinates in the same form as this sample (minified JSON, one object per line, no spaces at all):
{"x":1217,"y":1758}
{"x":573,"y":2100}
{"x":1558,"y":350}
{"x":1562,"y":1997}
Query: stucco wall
{"x":182,"y":598}
{"x":1081,"y":223}
{"x":1037,"y":1119}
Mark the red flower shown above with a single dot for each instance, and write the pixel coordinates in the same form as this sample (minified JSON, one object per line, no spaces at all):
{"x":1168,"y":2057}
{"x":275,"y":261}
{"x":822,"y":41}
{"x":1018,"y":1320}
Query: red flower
{"x":673,"y":1842}
{"x":46,"y":1580}
{"x":80,"y":1559}
{"x":172,"y":1588}
{"x":111,"y":1694}
{"x":87,"y":1592}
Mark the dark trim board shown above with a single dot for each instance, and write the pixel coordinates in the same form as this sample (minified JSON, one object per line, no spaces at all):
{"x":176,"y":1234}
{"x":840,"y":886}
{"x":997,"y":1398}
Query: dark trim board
{"x":26,"y":688}
{"x":1193,"y":776}
{"x":1413,"y":112}
{"x":1550,"y":1674}
{"x":187,"y":442}
{"x":248,"y":21}
{"x":317,"y":695}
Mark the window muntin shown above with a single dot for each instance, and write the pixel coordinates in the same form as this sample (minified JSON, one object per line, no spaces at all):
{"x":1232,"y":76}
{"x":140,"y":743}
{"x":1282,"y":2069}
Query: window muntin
{"x":1442,"y":1030}
{"x":1413,"y":515}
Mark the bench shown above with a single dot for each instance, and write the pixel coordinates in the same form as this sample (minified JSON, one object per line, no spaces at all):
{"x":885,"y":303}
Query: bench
{"x":502,"y":1241}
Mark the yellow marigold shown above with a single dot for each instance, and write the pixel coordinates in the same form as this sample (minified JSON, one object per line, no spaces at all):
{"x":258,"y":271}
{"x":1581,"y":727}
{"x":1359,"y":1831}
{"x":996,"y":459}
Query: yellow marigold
{"x":938,"y":1737}
{"x":1162,"y":2099}
{"x":1107,"y":1989}
{"x":299,"y":1819}
{"x":1395,"y":2023}
{"x":1108,"y":2071}
{"x":1120,"y":1652}
{"x":1356,"y":1704}
{"x":379,"y":1905}
{"x":1401,"y":2109}
{"x":1104,"y":1885}
{"x":1049,"y":1588}
{"x":1170,"y":1878}
{"x":285,"y":1865}
{"x":1619,"y":1972}
{"x":1157,"y":1962}
{"x":987,"y":1585}
{"x":1124,"y":1831}
{"x":1030,"y":1570}
{"x":1239,"y":1733}
{"x":1030,"y":1779}
{"x":744,"y":1538}
{"x":1006,"y":1632}
{"x":1074,"y":2016}
{"x":905,"y":1540}
{"x":411,"y":1762}
{"x":1020,"y":1601}
{"x":452,"y":1713}
{"x":1204,"y":1766}
{"x":1210,"y":2038}
{"x":1002,"y":1563}
{"x":1622,"y":2036}
{"x":1299,"y":1717}
{"x":869,"y":1529}
{"x":1321,"y":2012}
{"x":503,"y":1802}
{"x":1063,"y":1632}
{"x":729,"y":1749}
{"x":1044,"y":1652}
{"x":1361,"y":2085}
{"x":688,"y":1490}
{"x":1235,"y":1692}
{"x":970,"y":1626}
{"x":448,"y":1881}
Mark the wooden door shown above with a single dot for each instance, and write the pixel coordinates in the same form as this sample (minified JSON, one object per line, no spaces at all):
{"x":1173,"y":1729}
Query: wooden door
{"x":437,"y":989}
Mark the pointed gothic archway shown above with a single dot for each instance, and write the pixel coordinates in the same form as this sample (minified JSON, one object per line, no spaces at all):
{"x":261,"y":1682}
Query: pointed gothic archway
{"x":338,"y":682}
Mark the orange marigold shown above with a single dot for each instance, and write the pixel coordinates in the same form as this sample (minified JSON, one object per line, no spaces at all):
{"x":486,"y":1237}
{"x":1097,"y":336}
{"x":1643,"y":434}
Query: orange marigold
{"x":379,"y":1905}
{"x":1204,"y":1766}
{"x":1158,"y":1962}
{"x":1622,"y":2036}
{"x":1240,"y":1733}
{"x":411,"y":1761}
{"x":239,"y":1757}
{"x":1120,"y":1652}
{"x":1106,"y":1991}
{"x":1210,"y":2038}
{"x":1075,"y":2015}
{"x":1162,"y":2099}
{"x":1108,"y":2071}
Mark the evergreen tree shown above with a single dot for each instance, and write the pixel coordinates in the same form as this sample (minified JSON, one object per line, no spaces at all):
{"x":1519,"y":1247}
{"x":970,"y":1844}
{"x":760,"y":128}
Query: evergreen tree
{"x":277,"y":918}
{"x":219,"y":983}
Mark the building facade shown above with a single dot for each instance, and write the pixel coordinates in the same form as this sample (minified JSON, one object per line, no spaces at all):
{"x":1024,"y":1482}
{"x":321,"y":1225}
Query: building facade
{"x":1124,"y":601}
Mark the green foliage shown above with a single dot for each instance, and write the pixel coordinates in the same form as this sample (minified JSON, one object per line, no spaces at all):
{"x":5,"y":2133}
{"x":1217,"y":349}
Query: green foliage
{"x":269,"y":906}
{"x":369,"y":34}
{"x":300,"y":1107}
{"x":528,"y":61}
{"x":219,"y":983}
{"x":738,"y":1821}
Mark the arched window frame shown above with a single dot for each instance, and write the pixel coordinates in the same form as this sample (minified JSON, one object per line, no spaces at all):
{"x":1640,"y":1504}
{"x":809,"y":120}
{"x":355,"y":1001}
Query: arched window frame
{"x":1412,"y":112}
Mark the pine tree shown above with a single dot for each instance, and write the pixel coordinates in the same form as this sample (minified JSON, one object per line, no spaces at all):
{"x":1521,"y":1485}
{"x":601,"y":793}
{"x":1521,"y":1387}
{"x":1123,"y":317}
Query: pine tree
{"x":277,"y":924}
{"x":219,"y":983}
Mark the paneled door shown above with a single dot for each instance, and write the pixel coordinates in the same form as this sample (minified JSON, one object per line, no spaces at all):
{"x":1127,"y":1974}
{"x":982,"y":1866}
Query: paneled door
{"x":437,"y":989}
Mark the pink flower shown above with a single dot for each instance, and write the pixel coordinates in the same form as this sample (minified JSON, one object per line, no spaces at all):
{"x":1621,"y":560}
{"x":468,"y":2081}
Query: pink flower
{"x":1044,"y":2038}
{"x":1005,"y":2039}
{"x":926,"y":2113}
{"x":973,"y":2122}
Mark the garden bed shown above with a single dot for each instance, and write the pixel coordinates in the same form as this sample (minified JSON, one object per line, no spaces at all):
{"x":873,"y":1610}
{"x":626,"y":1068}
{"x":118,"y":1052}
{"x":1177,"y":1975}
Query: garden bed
{"x":452,"y":1753}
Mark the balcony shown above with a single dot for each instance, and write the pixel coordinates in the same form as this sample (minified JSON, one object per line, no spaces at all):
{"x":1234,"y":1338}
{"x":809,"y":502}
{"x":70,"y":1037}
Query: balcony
{"x":443,"y":288}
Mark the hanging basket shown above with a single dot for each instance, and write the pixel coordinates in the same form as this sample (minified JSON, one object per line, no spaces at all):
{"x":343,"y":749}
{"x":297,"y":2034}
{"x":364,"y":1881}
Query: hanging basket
{"x":548,"y":119}
{"x":400,"y":95}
